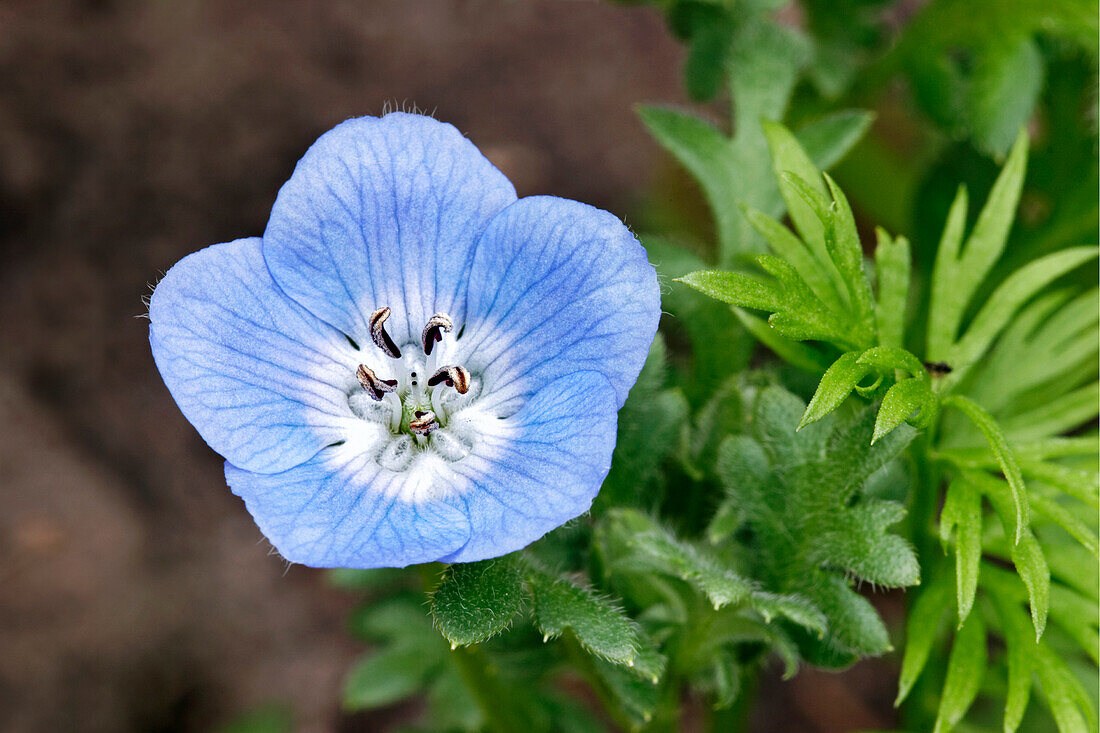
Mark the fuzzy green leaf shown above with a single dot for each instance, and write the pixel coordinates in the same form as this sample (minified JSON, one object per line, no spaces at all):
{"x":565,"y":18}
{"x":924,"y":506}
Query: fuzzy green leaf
{"x":476,"y":601}
{"x":600,"y":626}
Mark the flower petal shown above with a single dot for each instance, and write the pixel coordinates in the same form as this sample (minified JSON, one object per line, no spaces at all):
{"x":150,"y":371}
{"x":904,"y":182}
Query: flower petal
{"x":558,"y":286}
{"x":383,"y":212}
{"x":341,"y":509}
{"x":543,"y":469}
{"x":259,"y":376}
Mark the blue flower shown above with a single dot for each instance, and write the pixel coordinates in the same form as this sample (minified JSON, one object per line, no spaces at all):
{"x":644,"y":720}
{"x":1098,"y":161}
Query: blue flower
{"x":411,"y":364}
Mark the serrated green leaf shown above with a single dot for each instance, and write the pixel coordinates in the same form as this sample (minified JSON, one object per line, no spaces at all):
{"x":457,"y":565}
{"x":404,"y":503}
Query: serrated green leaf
{"x":672,"y":556}
{"x":921,"y":629}
{"x":601,"y":627}
{"x":962,"y":511}
{"x":476,"y":601}
{"x":965,"y":671}
{"x":796,"y":608}
{"x":892,"y":264}
{"x":859,"y":543}
{"x":1003,"y":453}
{"x":913,"y":395}
{"x":1026,"y":553}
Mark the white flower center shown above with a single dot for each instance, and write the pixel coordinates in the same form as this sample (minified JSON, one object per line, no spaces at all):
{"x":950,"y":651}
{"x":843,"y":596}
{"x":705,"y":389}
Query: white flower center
{"x":425,"y":404}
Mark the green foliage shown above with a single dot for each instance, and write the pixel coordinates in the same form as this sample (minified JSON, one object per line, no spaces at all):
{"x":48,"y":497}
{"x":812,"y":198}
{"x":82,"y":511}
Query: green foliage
{"x":813,"y":531}
{"x":928,"y":420}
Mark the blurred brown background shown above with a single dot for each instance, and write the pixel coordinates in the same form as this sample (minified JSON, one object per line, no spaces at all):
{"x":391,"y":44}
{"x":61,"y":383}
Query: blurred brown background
{"x":135,"y":592}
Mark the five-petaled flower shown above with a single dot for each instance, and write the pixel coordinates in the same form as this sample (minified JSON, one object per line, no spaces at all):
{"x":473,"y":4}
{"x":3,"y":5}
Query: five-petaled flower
{"x":411,"y":364}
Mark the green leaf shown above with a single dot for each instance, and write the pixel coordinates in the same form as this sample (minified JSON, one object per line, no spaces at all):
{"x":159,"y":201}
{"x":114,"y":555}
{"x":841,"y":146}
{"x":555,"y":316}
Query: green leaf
{"x":1004,"y":88}
{"x":835,"y":386}
{"x":791,"y":164}
{"x":1063,"y":693}
{"x":387,"y":677}
{"x":828,"y":139}
{"x":1007,"y":299}
{"x":965,"y":670}
{"x":859,"y":543}
{"x":921,"y":630}
{"x":1003,"y":453}
{"x":476,"y":601}
{"x":892,"y":263}
{"x":797,"y":355}
{"x":601,"y":627}
{"x":649,"y":430}
{"x":735,"y":288}
{"x":1026,"y":553}
{"x":669,"y":555}
{"x":957,"y":275}
{"x":789,"y":247}
{"x":900,"y":402}
{"x":962,"y":510}
{"x":886,"y":358}
{"x":847,"y":253}
{"x":1057,"y":416}
{"x":1020,"y":647}
{"x":1028,"y":558}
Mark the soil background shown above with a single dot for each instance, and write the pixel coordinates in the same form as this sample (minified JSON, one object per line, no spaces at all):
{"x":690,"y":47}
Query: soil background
{"x":135,"y":592}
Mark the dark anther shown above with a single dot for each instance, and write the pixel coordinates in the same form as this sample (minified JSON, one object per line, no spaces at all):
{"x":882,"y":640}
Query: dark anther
{"x":378,"y":333}
{"x":454,"y":376}
{"x":437,"y":325}
{"x":376,"y":388}
{"x":423,"y":422}
{"x":938,"y":368}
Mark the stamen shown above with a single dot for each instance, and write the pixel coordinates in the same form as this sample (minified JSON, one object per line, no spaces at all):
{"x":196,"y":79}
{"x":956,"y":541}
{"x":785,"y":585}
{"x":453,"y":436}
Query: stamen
{"x":423,"y":422}
{"x":378,"y":333}
{"x":454,"y":376}
{"x":437,"y":325}
{"x":376,"y":388}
